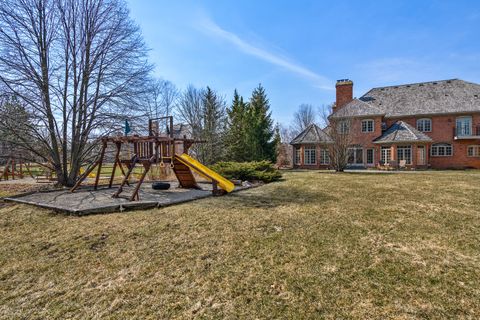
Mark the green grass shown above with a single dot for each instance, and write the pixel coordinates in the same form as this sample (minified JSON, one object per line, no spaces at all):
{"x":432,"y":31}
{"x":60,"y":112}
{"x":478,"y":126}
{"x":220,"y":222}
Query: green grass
{"x":316,"y":245}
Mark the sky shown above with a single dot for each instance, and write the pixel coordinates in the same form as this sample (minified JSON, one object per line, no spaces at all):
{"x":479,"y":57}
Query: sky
{"x":298,"y":49}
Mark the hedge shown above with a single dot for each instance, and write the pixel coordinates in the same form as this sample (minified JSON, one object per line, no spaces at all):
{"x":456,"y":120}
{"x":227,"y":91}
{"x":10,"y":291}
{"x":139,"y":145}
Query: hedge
{"x":248,"y":171}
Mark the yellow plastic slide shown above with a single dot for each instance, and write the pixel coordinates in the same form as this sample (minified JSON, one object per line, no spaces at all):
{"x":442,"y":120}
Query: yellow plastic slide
{"x":205,"y":172}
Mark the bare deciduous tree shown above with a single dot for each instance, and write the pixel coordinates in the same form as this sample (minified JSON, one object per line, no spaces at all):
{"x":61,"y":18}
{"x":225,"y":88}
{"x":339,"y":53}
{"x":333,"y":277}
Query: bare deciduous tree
{"x":78,"y":67}
{"x":339,"y":131}
{"x":302,"y":118}
{"x":286,"y":134}
{"x":161,"y":98}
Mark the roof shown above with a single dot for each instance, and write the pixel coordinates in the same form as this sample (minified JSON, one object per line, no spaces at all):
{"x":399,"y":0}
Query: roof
{"x":402,"y":132}
{"x":358,"y":108}
{"x":181,"y":130}
{"x":435,"y":97}
{"x":311,"y":134}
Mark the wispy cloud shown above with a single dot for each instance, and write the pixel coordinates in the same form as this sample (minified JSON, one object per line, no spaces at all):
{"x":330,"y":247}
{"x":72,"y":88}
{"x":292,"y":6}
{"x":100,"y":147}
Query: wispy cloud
{"x":213,"y":29}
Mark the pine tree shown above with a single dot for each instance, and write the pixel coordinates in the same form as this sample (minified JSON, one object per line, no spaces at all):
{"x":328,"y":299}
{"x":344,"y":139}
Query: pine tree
{"x":260,"y":131}
{"x":236,"y":135}
{"x":277,"y":141}
{"x":212,"y":150}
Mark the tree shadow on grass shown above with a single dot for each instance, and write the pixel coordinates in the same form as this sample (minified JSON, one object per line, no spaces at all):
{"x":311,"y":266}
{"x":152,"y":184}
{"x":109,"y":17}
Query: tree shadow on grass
{"x":281,"y":195}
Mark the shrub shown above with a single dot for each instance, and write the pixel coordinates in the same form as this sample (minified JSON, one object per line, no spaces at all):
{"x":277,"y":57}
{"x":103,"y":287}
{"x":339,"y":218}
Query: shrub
{"x":248,"y":171}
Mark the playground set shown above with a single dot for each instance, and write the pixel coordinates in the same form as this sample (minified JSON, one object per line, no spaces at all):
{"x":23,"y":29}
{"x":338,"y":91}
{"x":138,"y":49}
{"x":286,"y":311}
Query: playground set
{"x":15,"y":167}
{"x":157,"y":149}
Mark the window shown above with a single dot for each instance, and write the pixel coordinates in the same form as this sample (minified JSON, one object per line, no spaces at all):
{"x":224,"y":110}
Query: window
{"x":404,"y":153}
{"x":355,"y":155}
{"x":297,"y":156}
{"x":464,"y":126}
{"x":324,"y":156}
{"x":370,"y":156}
{"x":310,"y":155}
{"x":386,"y":155}
{"x":344,"y":126}
{"x":424,"y":125}
{"x":368,"y":125}
{"x":473,"y":151}
{"x":441,"y":150}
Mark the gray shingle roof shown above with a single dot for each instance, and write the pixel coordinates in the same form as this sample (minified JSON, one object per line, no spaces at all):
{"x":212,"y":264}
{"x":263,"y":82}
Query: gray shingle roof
{"x":402,"y":132}
{"x":435,"y":97}
{"x":357,"y":108}
{"x":312,"y":134}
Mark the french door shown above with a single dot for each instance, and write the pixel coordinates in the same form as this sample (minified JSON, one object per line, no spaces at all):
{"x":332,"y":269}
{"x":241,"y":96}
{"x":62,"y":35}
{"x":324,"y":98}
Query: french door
{"x":386,"y":155}
{"x":421,"y":156}
{"x":355,"y":156}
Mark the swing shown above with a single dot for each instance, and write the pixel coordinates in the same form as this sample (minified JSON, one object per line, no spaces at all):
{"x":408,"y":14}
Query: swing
{"x":162,"y":164}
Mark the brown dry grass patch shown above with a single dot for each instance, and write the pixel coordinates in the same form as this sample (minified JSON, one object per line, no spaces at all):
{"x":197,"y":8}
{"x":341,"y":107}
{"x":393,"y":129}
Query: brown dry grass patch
{"x":316,"y":245}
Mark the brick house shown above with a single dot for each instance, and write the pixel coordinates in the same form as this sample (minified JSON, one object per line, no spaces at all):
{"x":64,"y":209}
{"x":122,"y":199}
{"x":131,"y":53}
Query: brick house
{"x":422,"y":125}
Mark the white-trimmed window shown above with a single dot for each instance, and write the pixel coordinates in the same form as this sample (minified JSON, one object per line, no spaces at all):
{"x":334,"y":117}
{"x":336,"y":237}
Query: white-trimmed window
{"x":473,"y":151}
{"x":344,"y":126}
{"x":464,"y":126}
{"x":441,"y":150}
{"x":324,"y":156}
{"x":310,"y":155}
{"x":386,"y":155}
{"x":368,"y":125}
{"x":404,"y":153}
{"x":297,"y":156}
{"x":370,"y":156}
{"x":424,"y":125}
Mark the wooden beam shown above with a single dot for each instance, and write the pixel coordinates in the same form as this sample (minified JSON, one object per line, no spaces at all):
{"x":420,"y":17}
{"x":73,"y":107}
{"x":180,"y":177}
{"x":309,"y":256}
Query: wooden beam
{"x":134,"y":195}
{"x":13,"y":169}
{"x":84,"y":176}
{"x":100,"y":163}
{"x":117,"y":155}
{"x":125,"y":179}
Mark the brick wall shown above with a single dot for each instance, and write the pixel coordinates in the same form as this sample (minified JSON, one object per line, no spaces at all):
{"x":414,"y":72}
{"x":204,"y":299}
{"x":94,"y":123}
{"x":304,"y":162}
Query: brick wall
{"x":443,"y":127}
{"x":442,"y":132}
{"x":302,"y":164}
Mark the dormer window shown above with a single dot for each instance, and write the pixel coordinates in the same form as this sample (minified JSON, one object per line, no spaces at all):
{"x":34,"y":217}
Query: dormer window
{"x":368,"y":125}
{"x":424,"y":125}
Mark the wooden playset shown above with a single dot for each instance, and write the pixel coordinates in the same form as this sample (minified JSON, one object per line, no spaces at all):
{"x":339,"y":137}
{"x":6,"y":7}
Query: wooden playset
{"x":156,"y":149}
{"x":14,"y":168}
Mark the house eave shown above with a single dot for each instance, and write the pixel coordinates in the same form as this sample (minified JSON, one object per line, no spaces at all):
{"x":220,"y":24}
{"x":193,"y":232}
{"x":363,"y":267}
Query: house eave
{"x":403,"y":141}
{"x":417,"y":115}
{"x":309,"y":143}
{"x":366,"y":116}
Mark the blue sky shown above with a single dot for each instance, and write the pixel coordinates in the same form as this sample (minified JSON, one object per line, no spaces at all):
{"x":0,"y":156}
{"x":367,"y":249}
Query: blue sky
{"x":298,"y":49}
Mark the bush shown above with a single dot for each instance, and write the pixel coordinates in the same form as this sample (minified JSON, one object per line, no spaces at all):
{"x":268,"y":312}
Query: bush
{"x":248,"y":171}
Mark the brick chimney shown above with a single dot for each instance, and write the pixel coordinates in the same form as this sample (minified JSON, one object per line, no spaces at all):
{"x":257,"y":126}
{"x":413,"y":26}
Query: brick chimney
{"x":344,"y":88}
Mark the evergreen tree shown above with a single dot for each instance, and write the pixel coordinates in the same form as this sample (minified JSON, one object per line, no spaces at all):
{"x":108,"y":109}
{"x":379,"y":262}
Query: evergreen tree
{"x":15,"y":122}
{"x":236,"y":136}
{"x":213,"y":128}
{"x":277,"y":141}
{"x":260,"y":130}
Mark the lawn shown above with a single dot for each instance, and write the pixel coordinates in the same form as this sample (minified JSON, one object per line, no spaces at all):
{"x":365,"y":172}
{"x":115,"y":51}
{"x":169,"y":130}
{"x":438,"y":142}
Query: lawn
{"x":316,"y":245}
